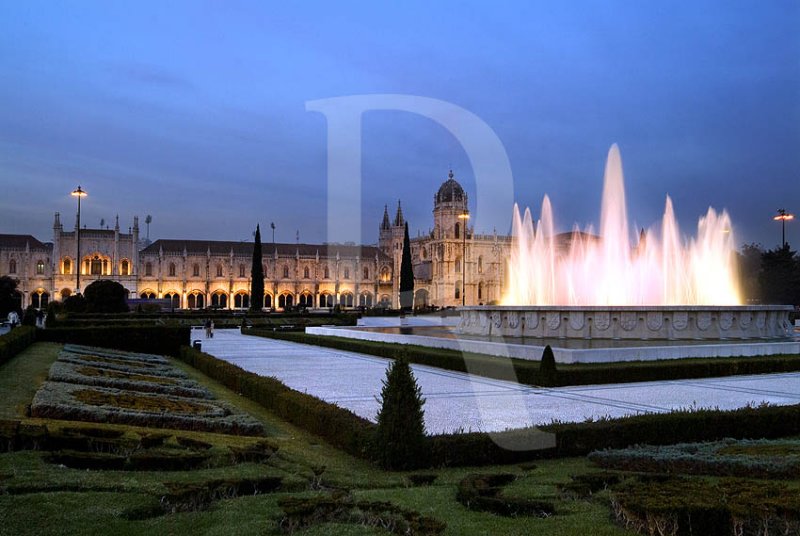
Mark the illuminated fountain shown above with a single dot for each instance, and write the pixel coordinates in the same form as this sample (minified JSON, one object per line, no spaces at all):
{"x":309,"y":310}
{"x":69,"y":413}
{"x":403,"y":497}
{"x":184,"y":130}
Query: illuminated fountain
{"x":666,"y":287}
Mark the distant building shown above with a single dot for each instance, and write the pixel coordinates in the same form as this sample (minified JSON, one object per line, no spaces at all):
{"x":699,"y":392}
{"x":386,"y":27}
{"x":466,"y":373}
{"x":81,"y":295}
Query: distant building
{"x":195,"y":274}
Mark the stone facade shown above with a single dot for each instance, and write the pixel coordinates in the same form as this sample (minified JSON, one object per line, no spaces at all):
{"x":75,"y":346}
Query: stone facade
{"x":201,"y":273}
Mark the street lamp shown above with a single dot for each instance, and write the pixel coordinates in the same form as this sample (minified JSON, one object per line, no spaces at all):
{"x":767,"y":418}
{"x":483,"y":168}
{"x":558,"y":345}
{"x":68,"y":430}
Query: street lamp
{"x":78,"y":193}
{"x":464,"y":217}
{"x":782,"y":217}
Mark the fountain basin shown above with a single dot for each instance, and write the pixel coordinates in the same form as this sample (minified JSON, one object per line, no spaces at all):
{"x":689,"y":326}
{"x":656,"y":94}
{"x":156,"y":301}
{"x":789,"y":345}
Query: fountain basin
{"x":665,"y":322}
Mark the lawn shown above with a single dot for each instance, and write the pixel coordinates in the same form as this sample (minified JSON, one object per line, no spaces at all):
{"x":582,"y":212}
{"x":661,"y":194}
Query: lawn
{"x":231,"y":494}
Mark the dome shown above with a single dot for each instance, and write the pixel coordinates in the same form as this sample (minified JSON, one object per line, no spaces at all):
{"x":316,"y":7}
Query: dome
{"x":450,"y":191}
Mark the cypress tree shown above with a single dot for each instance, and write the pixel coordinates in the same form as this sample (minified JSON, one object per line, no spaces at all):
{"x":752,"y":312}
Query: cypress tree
{"x":406,"y":275}
{"x":399,"y":442}
{"x":547,"y":367}
{"x":257,"y":275}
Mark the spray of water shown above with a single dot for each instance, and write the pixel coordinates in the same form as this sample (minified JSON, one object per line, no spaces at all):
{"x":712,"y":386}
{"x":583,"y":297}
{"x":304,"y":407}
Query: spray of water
{"x":663,"y":268}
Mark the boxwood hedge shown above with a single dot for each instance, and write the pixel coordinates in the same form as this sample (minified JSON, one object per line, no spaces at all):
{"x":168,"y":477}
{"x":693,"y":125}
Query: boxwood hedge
{"x":15,"y":341}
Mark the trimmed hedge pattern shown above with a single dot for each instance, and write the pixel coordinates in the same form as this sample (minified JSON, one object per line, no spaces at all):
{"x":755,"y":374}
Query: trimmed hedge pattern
{"x":160,"y":340}
{"x":16,"y":341}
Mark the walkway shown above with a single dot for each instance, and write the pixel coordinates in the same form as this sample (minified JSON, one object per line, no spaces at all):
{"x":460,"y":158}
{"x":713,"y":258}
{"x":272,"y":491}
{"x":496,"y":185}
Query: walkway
{"x":460,"y":402}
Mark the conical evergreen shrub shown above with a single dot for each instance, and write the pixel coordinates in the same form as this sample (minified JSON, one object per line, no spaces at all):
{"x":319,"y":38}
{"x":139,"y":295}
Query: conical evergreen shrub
{"x":547,"y":367}
{"x":400,"y":442}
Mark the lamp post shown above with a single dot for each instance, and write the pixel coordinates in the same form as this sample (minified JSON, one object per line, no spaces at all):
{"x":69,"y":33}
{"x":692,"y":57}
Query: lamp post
{"x":782,"y":217}
{"x":78,"y":193}
{"x":464,"y":217}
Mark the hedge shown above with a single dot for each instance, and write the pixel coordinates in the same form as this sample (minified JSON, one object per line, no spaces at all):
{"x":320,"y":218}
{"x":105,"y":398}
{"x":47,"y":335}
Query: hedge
{"x":16,"y":341}
{"x":528,"y":372}
{"x":338,"y":426}
{"x":351,"y":433}
{"x":678,"y":427}
{"x":160,"y":340}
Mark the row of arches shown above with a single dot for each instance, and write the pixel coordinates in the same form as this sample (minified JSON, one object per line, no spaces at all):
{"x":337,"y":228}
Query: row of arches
{"x":219,"y":299}
{"x":219,"y":270}
{"x":95,"y":264}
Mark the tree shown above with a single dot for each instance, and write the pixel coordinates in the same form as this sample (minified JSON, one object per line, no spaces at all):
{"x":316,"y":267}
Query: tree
{"x":257,"y":275}
{"x":547,"y":367}
{"x":399,"y":441}
{"x":406,"y":275}
{"x":105,"y":296}
{"x":780,"y":276}
{"x":749,"y":265}
{"x":9,"y":297}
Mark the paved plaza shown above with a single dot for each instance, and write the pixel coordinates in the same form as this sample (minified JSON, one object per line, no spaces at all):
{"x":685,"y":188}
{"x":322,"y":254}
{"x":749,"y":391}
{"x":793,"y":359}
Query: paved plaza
{"x":460,"y":402}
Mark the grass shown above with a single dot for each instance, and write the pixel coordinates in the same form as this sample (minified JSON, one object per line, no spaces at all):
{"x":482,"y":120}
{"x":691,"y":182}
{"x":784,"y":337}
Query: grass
{"x":39,"y":498}
{"x":21,"y":377}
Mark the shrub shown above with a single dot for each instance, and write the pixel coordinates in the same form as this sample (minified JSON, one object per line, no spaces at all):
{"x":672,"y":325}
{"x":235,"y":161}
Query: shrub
{"x":399,"y":441}
{"x":303,"y":512}
{"x":485,"y":493}
{"x":105,"y":296}
{"x":75,"y":303}
{"x":160,"y":340}
{"x":547,"y":367}
{"x":15,"y":341}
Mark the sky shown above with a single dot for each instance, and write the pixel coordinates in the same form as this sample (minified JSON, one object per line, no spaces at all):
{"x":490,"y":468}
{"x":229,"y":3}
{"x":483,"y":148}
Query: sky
{"x":195,"y":112}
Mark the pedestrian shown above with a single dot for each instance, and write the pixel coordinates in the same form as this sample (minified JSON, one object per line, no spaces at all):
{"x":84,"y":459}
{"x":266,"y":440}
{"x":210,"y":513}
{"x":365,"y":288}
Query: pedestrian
{"x":208,"y":328}
{"x":211,"y":328}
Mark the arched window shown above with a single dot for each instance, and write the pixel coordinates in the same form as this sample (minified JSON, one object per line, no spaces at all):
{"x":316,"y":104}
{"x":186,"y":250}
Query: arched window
{"x":285,"y":300}
{"x":148,"y":295}
{"x":67,"y":267}
{"x":125,"y":268}
{"x":480,"y":290}
{"x":174,"y":298}
{"x":39,"y":267}
{"x":96,"y":266}
{"x":172,"y":269}
{"x":385,"y":302}
{"x":458,"y":290}
{"x":366,"y":272}
{"x":196,"y":270}
{"x":286,"y":271}
{"x":458,"y":230}
{"x":241,"y":270}
{"x":386,"y":275}
{"x":365,"y":300}
{"x":305,"y":272}
{"x":306,"y":300}
{"x":326,"y":300}
{"x":268,"y":301}
{"x":327,"y":273}
{"x":347,"y":273}
{"x":65,"y":293}
{"x":241,"y":300}
{"x":219,"y":270}
{"x":196,"y":300}
{"x":39,"y":299}
{"x":458,"y":265}
{"x":346,"y":300}
{"x":219,"y":300}
{"x":148,"y":268}
{"x":424,"y":253}
{"x":480,"y":265}
{"x":12,"y":266}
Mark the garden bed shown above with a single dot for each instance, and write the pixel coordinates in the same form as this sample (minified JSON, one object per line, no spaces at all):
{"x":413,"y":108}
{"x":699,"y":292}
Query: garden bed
{"x":100,"y":385}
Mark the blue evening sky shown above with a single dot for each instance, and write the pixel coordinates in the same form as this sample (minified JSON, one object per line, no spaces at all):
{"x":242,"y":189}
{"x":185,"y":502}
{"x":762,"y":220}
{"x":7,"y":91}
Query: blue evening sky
{"x":194,"y":112}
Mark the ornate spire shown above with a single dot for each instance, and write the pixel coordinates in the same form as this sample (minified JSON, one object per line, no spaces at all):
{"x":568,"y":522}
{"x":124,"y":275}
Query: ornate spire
{"x":385,"y":223}
{"x":398,"y":219}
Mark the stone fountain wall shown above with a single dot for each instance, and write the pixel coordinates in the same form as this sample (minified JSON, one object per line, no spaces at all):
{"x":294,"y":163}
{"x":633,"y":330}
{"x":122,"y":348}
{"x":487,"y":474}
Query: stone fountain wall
{"x":629,"y":322}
